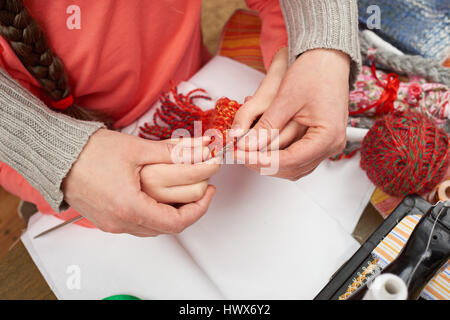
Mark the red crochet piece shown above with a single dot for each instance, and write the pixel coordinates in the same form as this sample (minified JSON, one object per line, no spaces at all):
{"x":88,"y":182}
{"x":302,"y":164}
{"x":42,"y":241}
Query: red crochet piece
{"x":182,"y":113}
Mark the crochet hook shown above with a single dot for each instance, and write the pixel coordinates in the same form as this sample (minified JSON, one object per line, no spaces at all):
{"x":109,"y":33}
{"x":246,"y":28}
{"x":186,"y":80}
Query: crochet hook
{"x":59,"y":226}
{"x":228,"y":147}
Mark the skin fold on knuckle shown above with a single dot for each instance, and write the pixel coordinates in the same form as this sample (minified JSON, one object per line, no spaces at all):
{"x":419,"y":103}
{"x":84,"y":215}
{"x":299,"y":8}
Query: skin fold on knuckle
{"x":265,"y":123}
{"x":199,"y":190}
{"x":167,"y":148}
{"x":212,"y":169}
{"x":176,"y":226}
{"x":245,"y":115}
{"x":159,"y":194}
{"x":112,"y":227}
{"x":339,"y":140}
{"x":149,"y":176}
{"x":289,"y":161}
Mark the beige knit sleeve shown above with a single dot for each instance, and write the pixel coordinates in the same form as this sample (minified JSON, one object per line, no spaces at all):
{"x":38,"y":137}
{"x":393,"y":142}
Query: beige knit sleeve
{"x":37,"y":142}
{"x":331,"y":24}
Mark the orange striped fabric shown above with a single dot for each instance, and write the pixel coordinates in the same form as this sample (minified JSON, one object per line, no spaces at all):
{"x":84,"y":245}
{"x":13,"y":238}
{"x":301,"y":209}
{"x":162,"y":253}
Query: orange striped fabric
{"x":240,"y":39}
{"x":388,"y":249}
{"x":384,"y":203}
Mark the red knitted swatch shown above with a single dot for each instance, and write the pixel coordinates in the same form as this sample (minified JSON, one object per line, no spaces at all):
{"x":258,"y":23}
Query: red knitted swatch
{"x":405,"y":153}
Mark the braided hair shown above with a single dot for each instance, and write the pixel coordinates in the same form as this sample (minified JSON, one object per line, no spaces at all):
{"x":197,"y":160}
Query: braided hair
{"x":27,"y":40}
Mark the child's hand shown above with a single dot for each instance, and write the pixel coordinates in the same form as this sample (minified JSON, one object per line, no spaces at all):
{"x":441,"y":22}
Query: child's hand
{"x":105,"y":186}
{"x":178,"y":183}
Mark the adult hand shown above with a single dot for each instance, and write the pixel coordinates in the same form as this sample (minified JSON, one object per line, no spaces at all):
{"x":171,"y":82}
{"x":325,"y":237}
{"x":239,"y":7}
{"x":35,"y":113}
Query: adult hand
{"x":307,"y":103}
{"x":107,"y":185}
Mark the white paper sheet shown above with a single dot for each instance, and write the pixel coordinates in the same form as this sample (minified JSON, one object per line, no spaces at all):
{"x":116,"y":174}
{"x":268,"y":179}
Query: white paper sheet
{"x":262,"y":237}
{"x":341,"y":189}
{"x":149,"y":268}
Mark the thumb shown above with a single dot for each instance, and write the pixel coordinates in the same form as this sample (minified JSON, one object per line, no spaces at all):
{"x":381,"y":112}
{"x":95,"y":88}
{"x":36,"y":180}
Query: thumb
{"x":185,"y":151}
{"x":263,"y":97}
{"x":269,"y":126}
{"x":150,"y":151}
{"x":247,"y":114}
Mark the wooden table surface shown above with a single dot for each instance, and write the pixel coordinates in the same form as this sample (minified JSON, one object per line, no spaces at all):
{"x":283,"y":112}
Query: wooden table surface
{"x":20,"y":278}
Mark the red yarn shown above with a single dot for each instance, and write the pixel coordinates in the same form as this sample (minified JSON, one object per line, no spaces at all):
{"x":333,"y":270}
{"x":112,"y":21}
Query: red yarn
{"x":63,"y":103}
{"x":344,"y":155}
{"x":223,"y":115}
{"x":182,"y":113}
{"x":405,"y":153}
{"x":385,"y":104}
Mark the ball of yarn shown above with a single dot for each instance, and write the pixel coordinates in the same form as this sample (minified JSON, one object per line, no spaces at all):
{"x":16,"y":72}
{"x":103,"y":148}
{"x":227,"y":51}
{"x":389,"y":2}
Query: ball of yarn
{"x":405,"y":153}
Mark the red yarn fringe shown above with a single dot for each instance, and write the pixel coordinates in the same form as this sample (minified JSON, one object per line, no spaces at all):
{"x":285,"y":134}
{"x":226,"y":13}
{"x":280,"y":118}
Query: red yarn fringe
{"x":181,"y":112}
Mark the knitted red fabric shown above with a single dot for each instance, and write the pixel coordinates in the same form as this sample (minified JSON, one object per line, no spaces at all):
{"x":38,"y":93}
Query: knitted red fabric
{"x":181,"y":113}
{"x":405,"y":153}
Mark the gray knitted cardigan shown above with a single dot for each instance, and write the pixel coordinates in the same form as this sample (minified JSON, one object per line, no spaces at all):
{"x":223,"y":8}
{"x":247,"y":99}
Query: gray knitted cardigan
{"x":42,"y":145}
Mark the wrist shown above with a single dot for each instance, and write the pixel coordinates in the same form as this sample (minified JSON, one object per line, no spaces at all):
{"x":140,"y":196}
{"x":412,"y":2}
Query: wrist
{"x":333,"y":63}
{"x":88,"y":146}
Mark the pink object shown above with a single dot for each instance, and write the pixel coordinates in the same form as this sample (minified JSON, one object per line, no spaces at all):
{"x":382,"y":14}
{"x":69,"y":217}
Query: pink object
{"x":432,"y":99}
{"x":123,"y":56}
{"x":415,"y":90}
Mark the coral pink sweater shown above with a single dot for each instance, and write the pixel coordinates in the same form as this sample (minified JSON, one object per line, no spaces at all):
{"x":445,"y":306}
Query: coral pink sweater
{"x":120,"y":55}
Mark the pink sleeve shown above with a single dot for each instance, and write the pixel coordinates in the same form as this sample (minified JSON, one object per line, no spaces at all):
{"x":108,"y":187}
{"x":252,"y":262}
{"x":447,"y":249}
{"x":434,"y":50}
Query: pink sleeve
{"x":14,"y":183}
{"x":273,"y":33}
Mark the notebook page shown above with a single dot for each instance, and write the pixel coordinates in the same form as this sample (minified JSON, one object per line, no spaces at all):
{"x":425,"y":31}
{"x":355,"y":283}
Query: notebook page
{"x":110,"y":264}
{"x":263,"y":238}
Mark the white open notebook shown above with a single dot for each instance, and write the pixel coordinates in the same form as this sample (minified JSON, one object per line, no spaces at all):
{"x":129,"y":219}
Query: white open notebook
{"x":262,"y":238}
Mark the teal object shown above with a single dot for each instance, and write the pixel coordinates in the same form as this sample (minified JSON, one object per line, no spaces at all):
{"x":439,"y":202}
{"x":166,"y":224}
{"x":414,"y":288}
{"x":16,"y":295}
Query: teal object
{"x":122,"y":297}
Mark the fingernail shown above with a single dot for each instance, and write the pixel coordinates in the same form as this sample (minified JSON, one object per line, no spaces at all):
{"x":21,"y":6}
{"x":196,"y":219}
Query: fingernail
{"x":206,"y":152}
{"x":215,"y":160}
{"x":236,"y":131}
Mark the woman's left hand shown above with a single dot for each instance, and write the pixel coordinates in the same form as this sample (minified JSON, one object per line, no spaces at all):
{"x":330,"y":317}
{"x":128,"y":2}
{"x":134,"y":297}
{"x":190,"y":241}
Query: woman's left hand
{"x":307,"y":103}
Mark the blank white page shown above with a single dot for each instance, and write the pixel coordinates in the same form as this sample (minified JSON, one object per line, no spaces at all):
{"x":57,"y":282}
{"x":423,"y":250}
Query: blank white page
{"x":109,"y":264}
{"x":263,"y":238}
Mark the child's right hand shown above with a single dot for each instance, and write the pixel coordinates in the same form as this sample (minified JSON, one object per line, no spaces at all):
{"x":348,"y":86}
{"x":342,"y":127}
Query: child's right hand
{"x":108,"y":185}
{"x":184,"y":182}
{"x":177,"y":183}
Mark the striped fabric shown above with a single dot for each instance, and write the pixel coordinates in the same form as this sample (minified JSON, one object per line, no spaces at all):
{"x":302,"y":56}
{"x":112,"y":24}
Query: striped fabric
{"x":240,"y":39}
{"x":388,"y":249}
{"x":384,"y":203}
